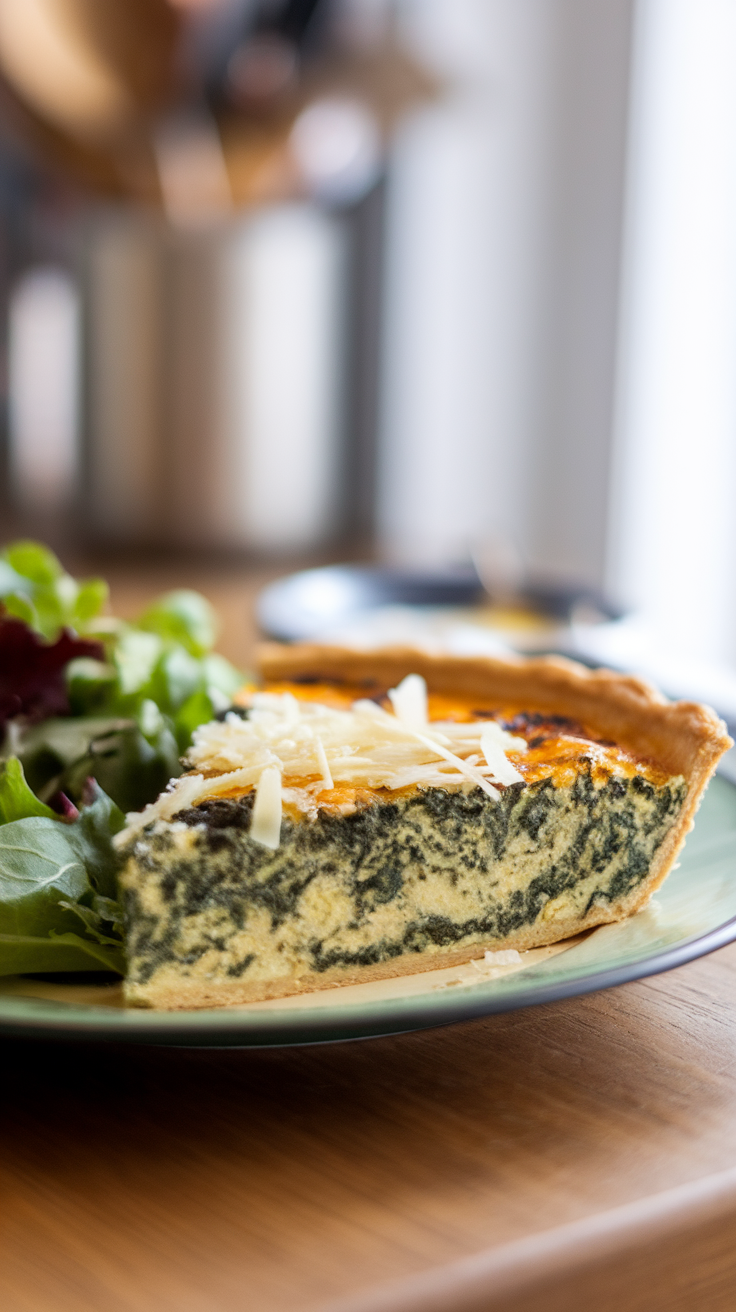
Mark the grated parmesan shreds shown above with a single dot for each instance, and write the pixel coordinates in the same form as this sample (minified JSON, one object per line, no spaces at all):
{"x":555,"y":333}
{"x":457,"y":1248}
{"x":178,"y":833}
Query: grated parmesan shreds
{"x":265,"y":826}
{"x":292,"y":750}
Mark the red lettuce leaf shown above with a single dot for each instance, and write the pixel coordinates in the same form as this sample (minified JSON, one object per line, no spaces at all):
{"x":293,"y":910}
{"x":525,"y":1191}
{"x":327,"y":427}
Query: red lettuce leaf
{"x":32,"y":680}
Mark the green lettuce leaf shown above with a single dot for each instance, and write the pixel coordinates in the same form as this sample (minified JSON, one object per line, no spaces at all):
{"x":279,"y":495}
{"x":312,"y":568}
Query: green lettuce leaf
{"x":91,"y":686}
{"x":185,"y":618}
{"x":92,"y":836}
{"x":27,"y":954}
{"x":197,"y":709}
{"x":34,"y":587}
{"x":17,"y":802}
{"x":165,"y":658}
{"x":132,"y":759}
{"x":55,"y":879}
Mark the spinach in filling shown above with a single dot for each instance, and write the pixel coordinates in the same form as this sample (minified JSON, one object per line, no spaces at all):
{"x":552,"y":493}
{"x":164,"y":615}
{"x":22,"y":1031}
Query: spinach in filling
{"x":406,"y":875}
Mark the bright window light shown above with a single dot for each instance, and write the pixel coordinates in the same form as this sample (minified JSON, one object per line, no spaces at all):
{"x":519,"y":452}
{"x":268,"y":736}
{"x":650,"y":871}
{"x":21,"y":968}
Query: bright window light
{"x":673,"y":552}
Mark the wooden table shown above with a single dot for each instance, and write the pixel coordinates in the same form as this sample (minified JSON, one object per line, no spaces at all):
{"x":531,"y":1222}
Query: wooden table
{"x":581,"y":1155}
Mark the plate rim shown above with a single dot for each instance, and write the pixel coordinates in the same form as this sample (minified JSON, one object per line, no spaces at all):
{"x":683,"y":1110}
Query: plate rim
{"x":172,"y":1029}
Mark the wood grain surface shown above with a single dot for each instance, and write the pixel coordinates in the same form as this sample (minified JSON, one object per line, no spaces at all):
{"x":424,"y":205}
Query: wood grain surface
{"x":570,"y":1156}
{"x":339,"y":1175}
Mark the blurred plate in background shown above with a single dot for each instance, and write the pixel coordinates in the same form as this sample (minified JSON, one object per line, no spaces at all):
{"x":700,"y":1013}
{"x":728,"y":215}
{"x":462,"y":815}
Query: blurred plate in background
{"x":370,"y":606}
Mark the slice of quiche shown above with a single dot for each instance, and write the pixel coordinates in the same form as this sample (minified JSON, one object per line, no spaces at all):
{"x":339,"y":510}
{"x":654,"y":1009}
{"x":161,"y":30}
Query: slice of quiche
{"x":377,"y":814}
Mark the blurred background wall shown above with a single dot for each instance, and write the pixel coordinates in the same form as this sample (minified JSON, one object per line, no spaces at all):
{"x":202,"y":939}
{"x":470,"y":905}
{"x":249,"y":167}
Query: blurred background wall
{"x":503,"y":274}
{"x":460,"y":283}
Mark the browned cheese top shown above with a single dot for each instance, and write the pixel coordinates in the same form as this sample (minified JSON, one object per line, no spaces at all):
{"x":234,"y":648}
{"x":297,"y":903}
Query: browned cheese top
{"x":558,"y":748}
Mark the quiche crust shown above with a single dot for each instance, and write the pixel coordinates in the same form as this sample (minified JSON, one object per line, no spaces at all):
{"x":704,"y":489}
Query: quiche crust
{"x":685,"y":737}
{"x":682,"y":740}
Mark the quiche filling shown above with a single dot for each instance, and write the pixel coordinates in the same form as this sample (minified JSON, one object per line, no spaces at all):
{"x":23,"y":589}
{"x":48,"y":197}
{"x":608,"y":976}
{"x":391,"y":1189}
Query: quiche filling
{"x":322,"y":838}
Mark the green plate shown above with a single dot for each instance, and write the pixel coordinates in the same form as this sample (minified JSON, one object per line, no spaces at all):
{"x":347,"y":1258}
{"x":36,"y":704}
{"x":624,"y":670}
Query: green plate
{"x":693,"y":914}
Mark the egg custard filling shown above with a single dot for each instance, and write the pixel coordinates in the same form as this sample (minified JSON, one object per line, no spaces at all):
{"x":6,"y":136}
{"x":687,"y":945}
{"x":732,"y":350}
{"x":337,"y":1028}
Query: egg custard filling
{"x":324,"y":837}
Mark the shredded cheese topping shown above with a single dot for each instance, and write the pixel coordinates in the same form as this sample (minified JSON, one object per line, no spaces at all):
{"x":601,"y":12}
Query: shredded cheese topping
{"x":265,"y":825}
{"x":293,"y":751}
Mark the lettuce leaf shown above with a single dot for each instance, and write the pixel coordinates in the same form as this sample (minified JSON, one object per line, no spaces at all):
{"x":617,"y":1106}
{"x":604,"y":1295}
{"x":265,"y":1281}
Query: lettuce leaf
{"x":27,"y":954}
{"x":183,"y":617}
{"x":166,"y":658}
{"x":35,"y":588}
{"x":132,"y":760}
{"x":17,"y":801}
{"x":57,"y":879}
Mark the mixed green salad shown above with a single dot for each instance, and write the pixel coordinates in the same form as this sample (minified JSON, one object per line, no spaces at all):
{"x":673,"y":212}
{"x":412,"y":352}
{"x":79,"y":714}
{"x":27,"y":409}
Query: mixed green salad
{"x":95,"y":714}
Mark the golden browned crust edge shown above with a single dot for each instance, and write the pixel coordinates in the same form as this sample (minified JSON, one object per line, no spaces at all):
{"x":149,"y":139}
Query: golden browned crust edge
{"x":685,"y":737}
